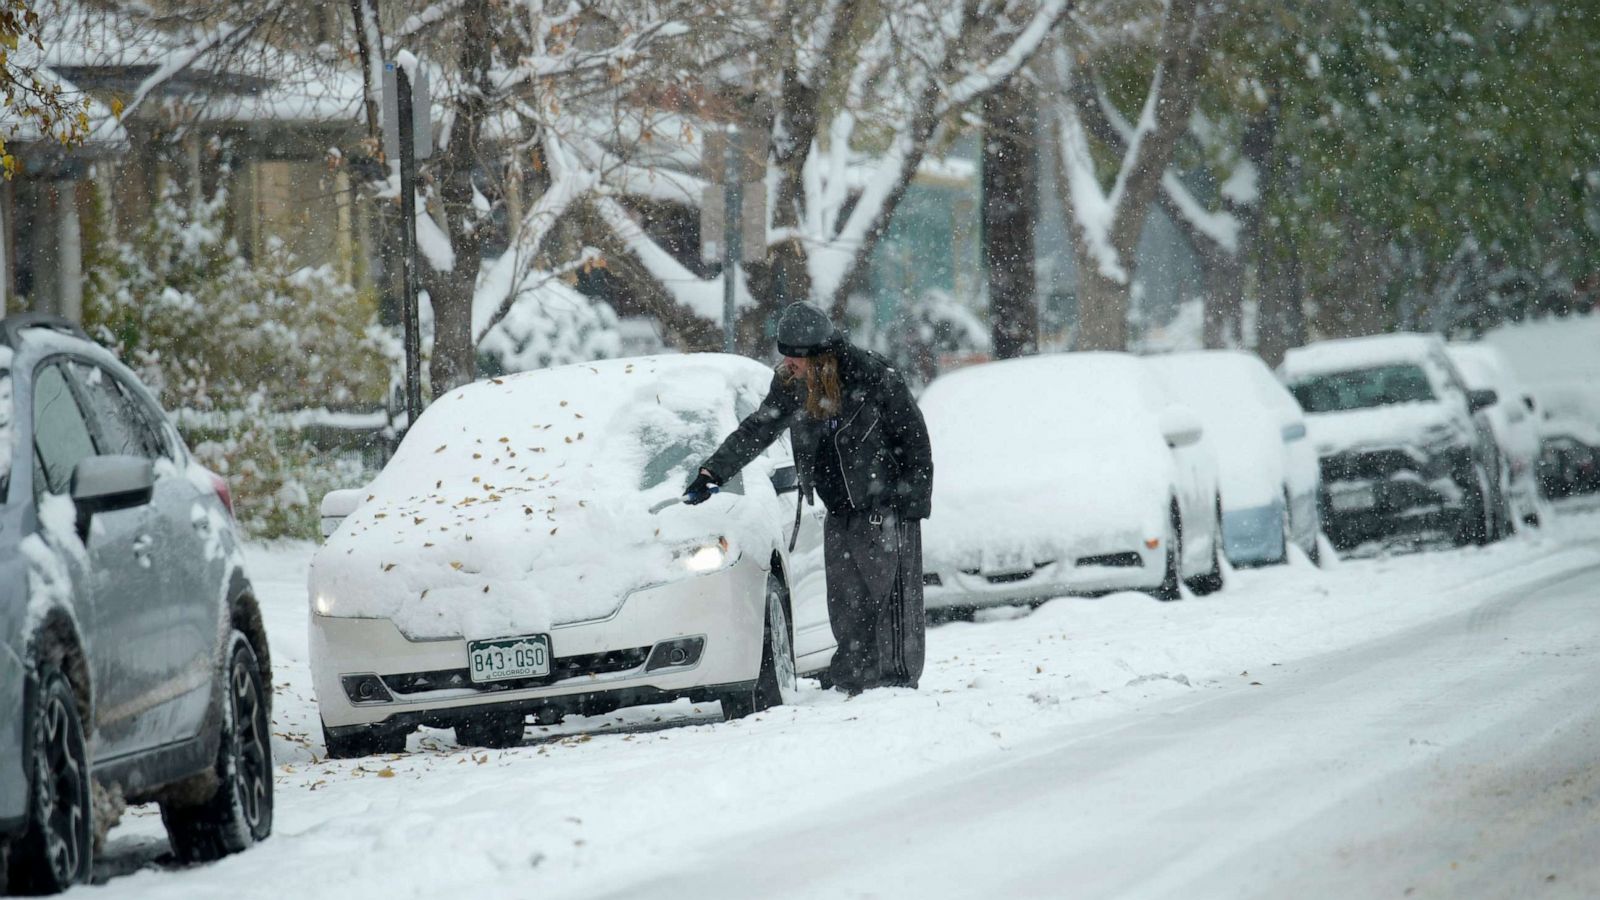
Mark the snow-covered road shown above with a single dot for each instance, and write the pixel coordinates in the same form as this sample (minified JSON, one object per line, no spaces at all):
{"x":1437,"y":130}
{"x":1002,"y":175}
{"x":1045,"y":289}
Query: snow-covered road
{"x":1419,"y":722}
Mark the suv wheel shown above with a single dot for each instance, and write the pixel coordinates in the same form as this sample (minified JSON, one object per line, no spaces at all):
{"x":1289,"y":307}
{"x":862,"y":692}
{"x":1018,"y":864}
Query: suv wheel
{"x":239,"y":813}
{"x":1477,"y":525}
{"x":56,"y":849}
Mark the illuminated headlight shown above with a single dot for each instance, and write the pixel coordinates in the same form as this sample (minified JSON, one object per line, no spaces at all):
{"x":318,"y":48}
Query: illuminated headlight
{"x":322,"y":604}
{"x":706,"y":557}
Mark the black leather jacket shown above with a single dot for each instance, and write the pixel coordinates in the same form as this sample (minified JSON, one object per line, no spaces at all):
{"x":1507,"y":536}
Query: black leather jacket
{"x":880,"y":440}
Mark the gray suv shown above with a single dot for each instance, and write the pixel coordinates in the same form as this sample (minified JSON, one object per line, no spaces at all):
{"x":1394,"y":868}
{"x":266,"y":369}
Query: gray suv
{"x":133,"y":663}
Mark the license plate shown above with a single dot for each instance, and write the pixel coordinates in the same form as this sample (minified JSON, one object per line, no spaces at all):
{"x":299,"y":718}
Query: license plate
{"x":1355,"y":499}
{"x":504,"y":659}
{"x":1005,"y":562}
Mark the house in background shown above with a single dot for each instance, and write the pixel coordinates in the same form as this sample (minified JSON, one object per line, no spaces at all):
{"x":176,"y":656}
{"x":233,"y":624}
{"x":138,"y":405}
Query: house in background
{"x":253,"y":121}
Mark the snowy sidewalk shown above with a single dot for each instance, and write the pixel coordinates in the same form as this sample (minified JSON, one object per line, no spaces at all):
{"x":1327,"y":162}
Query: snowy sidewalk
{"x":599,"y":803}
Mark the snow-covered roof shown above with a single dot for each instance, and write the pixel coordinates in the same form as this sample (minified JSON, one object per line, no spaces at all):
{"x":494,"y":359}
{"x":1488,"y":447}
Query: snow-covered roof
{"x":105,"y":132}
{"x":1347,"y":354}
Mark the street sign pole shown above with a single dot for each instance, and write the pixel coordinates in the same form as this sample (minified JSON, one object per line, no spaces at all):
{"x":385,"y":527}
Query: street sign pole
{"x":732,"y":205}
{"x":406,"y":126}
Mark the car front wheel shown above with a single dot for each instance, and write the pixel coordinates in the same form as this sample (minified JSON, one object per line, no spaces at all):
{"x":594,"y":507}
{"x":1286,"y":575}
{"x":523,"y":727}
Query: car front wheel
{"x":54,"y":853}
{"x":1210,"y":581}
{"x":776,"y":683}
{"x":239,"y":813}
{"x":1171,"y":587}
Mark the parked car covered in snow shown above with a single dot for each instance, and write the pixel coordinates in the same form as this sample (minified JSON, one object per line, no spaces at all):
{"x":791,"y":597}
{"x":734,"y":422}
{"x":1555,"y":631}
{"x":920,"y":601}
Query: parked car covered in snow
{"x":1392,"y":423}
{"x":1569,"y":458}
{"x":1266,"y":467}
{"x":1513,"y":419}
{"x":1066,"y":473}
{"x":523,"y":554}
{"x":133,"y":663}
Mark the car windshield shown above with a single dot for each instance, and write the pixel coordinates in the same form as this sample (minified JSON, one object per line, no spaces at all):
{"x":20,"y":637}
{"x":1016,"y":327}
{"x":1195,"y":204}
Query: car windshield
{"x":670,"y":452}
{"x":1363,"y":388}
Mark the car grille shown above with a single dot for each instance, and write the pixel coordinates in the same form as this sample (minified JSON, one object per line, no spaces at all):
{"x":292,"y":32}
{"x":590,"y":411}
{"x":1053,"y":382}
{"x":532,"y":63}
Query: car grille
{"x":1366,"y":465}
{"x":1115,"y":560}
{"x":562,"y":668}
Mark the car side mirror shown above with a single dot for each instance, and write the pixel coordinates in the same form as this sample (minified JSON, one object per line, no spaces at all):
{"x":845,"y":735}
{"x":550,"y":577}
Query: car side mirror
{"x":1180,"y":427}
{"x":336,"y":506}
{"x":109,"y":483}
{"x":1294,"y":431}
{"x":786,"y":479}
{"x":1477,"y":400}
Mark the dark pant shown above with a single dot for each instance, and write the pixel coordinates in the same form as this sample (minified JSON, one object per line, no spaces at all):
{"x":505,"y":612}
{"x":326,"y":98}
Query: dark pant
{"x":875,"y":599}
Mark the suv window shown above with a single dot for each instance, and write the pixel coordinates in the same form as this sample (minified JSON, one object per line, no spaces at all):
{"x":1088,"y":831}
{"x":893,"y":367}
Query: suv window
{"x":122,"y":424}
{"x":60,"y":435}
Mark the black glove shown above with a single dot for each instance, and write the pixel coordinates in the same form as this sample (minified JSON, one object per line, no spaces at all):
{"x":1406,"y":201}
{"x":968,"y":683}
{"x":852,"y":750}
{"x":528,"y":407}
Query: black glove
{"x":699,"y":490}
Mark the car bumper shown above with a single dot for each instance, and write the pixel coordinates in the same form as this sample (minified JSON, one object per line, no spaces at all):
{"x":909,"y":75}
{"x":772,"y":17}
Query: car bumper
{"x":1253,"y":537}
{"x":608,"y":662}
{"x":1354,"y":511}
{"x":958,"y":588}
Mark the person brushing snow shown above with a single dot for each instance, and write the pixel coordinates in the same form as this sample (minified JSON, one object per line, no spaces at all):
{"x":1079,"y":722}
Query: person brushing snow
{"x":860,"y":443}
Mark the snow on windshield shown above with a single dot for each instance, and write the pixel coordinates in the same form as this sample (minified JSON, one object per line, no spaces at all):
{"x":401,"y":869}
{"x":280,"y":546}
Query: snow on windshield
{"x":523,"y":501}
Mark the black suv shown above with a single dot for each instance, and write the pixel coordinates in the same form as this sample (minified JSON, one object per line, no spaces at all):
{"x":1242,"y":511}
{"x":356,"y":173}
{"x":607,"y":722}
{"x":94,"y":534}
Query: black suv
{"x":133,"y":663}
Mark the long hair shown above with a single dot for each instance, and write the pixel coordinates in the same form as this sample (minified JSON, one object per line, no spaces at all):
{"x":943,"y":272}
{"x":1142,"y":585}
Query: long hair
{"x":824,"y":395}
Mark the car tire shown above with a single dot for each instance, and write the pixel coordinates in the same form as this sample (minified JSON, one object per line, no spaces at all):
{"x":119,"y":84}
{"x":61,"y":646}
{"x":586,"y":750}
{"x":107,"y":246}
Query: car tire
{"x":56,"y":851}
{"x":238,"y":814}
{"x":1477,"y":513}
{"x":943,"y":614}
{"x":496,"y":731}
{"x":776,"y":683}
{"x":1211,"y":581}
{"x":1287,"y":523}
{"x":366,"y":741}
{"x":1171,"y":587}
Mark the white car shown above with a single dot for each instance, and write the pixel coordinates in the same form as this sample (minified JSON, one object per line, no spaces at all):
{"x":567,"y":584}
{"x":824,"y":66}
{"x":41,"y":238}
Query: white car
{"x":1062,"y":474}
{"x":524,"y":553}
{"x":1513,"y":418}
{"x":1267,"y":468}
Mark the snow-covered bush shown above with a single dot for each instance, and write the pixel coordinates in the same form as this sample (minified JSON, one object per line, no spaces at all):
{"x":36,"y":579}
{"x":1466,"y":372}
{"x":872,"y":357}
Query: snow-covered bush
{"x":935,"y":329}
{"x":228,"y":343}
{"x":551,"y":324}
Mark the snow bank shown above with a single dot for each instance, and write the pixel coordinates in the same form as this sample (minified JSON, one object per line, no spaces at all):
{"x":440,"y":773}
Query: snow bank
{"x":522,"y":502}
{"x":1042,"y":454}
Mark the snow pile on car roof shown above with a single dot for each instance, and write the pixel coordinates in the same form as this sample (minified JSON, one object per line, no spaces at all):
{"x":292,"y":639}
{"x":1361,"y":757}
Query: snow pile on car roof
{"x":1348,"y":354}
{"x":523,"y":502}
{"x":1042,"y":454}
{"x":1240,"y":422}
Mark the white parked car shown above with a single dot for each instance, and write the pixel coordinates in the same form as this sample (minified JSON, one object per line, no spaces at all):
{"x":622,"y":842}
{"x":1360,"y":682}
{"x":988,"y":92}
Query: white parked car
{"x":1514,"y":420}
{"x":524,"y":554}
{"x":1267,"y":468}
{"x":1061,"y":474}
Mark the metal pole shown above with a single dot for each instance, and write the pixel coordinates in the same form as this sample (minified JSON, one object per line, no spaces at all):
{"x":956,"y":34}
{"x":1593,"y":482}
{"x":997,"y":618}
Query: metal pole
{"x":408,"y":254}
{"x":731,"y":233}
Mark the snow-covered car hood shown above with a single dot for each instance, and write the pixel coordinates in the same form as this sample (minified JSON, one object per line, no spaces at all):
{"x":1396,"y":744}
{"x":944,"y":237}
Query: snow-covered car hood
{"x":524,"y":502}
{"x":1054,"y":456}
{"x":1405,"y":424}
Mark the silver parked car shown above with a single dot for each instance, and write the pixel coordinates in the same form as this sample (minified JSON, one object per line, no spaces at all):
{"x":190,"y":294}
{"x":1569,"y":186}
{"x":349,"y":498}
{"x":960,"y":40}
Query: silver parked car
{"x":133,"y":662}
